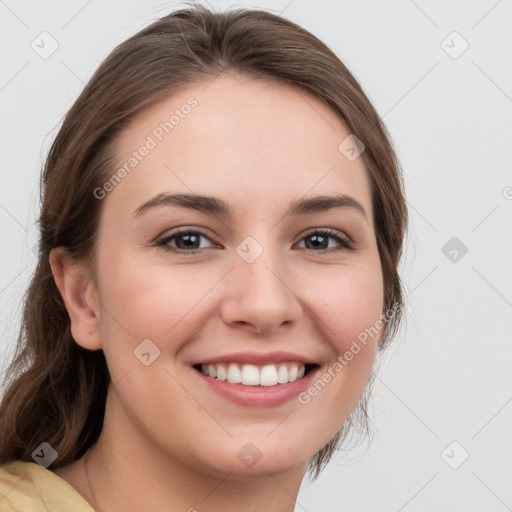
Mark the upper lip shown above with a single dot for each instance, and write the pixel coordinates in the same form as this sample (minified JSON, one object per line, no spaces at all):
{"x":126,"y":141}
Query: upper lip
{"x":257,"y":359}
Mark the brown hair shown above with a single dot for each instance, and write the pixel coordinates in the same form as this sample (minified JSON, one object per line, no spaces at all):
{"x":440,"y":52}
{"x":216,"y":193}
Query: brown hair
{"x":55,"y":390}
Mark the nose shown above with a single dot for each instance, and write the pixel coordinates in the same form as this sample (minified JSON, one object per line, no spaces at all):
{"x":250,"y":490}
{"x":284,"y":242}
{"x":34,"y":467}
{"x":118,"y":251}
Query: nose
{"x":260,"y":295}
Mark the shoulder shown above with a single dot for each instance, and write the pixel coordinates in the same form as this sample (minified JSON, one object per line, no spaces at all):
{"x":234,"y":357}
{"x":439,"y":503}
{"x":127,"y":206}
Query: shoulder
{"x":28,"y":486}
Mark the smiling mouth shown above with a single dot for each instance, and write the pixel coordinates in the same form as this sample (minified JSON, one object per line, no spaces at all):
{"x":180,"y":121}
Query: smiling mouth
{"x":253,"y":375}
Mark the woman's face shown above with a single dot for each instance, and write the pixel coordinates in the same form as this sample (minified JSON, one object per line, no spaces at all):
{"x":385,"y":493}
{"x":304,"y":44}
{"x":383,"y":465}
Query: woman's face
{"x":257,"y":284}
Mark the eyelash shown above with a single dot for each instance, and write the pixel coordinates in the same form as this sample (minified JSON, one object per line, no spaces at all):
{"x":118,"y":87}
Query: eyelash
{"x":345,"y":243}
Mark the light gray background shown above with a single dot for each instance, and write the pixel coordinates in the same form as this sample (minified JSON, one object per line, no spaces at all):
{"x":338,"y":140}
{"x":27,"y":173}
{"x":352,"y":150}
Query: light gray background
{"x":448,"y":375}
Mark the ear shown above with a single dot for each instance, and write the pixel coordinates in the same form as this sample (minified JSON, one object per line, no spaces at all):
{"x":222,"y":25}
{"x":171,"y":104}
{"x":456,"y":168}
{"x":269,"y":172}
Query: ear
{"x":78,"y":290}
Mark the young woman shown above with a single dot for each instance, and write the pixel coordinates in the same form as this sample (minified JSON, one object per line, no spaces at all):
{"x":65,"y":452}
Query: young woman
{"x":221,"y":226}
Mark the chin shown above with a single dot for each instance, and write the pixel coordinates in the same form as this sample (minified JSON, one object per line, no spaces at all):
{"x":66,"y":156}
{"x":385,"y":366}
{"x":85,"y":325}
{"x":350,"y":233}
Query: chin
{"x":250,"y":455}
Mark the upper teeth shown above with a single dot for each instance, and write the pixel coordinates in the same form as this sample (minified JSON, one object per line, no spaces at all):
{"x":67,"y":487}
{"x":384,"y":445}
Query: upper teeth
{"x":251,"y":375}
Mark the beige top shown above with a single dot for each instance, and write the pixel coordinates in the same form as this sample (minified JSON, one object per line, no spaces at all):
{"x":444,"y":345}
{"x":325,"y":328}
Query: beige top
{"x":29,"y":487}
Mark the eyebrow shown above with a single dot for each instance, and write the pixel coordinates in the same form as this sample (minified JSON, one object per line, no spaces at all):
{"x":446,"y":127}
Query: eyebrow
{"x":216,"y":206}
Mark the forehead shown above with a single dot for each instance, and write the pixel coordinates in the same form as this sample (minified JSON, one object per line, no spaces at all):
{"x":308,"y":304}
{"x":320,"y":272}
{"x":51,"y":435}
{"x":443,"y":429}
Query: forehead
{"x":251,"y":142}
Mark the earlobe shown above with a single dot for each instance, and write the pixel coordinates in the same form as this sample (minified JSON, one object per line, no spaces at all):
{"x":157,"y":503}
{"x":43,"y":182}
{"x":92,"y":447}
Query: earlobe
{"x":77,"y":289}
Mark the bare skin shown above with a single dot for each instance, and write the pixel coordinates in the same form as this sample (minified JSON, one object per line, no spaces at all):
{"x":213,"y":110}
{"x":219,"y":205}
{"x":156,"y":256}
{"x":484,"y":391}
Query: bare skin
{"x":169,"y":442}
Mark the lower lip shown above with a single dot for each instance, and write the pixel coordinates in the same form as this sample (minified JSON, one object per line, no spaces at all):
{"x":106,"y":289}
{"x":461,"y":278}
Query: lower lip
{"x":258,"y":396}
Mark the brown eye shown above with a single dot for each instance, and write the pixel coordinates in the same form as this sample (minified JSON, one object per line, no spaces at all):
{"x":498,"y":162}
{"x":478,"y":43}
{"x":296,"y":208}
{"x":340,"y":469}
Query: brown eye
{"x":319,"y":240}
{"x":188,"y":241}
{"x":185,"y":240}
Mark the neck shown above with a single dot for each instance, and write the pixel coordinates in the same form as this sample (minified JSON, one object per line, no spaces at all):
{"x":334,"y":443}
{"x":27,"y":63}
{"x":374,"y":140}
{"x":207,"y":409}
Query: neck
{"x":128,"y":472}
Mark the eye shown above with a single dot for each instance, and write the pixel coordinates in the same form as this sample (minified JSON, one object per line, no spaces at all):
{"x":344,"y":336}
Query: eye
{"x":319,"y":239}
{"x":186,"y":240}
{"x":189,"y":241}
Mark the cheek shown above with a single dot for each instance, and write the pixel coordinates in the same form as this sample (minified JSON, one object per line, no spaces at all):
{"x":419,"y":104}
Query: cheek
{"x":348,"y":310}
{"x":348,"y":303}
{"x":151,"y":301}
